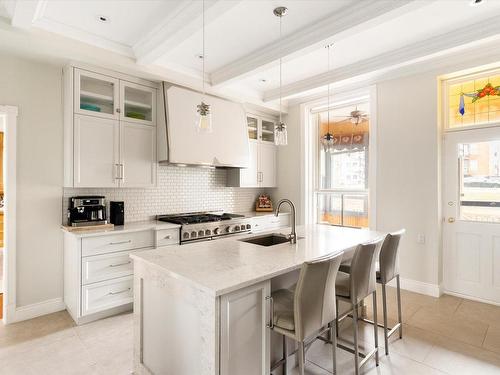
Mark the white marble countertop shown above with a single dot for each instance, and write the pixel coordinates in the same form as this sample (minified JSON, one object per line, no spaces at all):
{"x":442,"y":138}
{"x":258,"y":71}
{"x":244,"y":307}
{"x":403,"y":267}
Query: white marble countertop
{"x":136,"y":226}
{"x":225,"y":265}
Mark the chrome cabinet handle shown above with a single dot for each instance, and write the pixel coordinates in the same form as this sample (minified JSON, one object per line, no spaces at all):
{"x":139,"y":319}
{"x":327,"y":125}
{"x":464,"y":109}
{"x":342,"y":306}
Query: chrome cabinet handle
{"x":120,"y":243}
{"x":120,"y":292}
{"x":120,"y":264}
{"x":122,"y":172}
{"x":167,"y":237}
{"x":271,"y":312}
{"x":117,"y":171}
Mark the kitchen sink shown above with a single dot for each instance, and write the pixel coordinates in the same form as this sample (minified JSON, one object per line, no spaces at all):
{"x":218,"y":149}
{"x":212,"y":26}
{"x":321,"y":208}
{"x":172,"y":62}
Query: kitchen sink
{"x":267,"y":240}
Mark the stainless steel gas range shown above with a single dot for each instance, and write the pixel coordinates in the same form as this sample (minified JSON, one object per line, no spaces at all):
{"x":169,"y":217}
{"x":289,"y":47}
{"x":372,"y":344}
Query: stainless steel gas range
{"x":204,"y":226}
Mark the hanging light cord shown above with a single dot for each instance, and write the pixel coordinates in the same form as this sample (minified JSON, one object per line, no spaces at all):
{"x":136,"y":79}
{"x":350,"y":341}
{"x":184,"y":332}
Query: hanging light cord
{"x":328,"y":108}
{"x":281,"y":16}
{"x":203,"y":45}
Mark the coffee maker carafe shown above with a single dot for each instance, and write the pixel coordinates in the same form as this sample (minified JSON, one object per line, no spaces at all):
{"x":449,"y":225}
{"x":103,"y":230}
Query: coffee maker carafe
{"x":87,"y":210}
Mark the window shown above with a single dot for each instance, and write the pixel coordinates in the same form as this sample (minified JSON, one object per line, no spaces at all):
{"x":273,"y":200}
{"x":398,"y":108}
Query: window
{"x":480,"y":181}
{"x":473,"y":100}
{"x":342,"y":185}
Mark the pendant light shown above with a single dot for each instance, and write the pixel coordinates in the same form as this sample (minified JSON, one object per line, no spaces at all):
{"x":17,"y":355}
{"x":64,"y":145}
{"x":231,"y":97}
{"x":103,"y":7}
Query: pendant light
{"x":280,"y":133}
{"x":204,"y":116}
{"x":328,"y":140}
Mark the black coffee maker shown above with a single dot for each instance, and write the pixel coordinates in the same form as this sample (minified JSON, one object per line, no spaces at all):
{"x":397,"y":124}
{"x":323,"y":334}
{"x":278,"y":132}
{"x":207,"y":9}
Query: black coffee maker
{"x":87,"y":210}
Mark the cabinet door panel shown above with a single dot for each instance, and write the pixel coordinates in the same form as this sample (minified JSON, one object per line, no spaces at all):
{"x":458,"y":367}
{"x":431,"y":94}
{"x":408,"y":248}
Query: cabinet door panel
{"x":248,"y":176}
{"x":267,"y":165}
{"x":245,"y":338}
{"x":138,"y":155}
{"x":96,"y":151}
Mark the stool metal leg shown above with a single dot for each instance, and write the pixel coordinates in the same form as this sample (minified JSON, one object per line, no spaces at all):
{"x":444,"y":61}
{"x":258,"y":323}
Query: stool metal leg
{"x":398,"y":292}
{"x":337,"y":315}
{"x":333,"y":335}
{"x":285,"y":356}
{"x":375,"y":326}
{"x":301,"y":355}
{"x":384,"y":305}
{"x":356,"y":350}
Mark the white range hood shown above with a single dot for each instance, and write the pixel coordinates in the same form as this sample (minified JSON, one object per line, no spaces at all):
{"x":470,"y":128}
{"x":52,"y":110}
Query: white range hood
{"x":226,"y":146}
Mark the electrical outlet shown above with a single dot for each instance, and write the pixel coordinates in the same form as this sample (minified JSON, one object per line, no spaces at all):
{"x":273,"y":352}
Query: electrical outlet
{"x":421,"y":238}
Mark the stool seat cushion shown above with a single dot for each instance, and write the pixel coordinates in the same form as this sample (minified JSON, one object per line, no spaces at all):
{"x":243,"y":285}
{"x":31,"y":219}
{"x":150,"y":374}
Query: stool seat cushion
{"x":283,"y":316}
{"x":346,"y":268}
{"x":342,"y":284}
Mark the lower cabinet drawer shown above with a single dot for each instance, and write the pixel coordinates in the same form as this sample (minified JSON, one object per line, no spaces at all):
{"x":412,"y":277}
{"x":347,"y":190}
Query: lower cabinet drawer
{"x":104,"y":267}
{"x":165,"y":237}
{"x":117,"y":242}
{"x":107,"y":294}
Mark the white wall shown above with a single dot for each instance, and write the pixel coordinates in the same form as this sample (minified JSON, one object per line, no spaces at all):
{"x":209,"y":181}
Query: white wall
{"x":35,"y":89}
{"x":408,"y":180}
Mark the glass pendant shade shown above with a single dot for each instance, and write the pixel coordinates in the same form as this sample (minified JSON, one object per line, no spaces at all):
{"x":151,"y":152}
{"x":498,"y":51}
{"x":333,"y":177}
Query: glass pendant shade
{"x":327,"y":142}
{"x":280,"y":135}
{"x":204,"y":118}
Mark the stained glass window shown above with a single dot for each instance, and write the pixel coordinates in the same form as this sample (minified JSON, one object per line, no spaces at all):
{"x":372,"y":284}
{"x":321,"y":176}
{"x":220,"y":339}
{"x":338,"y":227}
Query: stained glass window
{"x":474,"y":102}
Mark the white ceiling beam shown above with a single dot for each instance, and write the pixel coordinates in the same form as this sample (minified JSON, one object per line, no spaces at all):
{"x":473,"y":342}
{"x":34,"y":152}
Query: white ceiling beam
{"x":425,"y":49}
{"x":179,"y":26}
{"x":344,"y":20}
{"x":26,"y":12}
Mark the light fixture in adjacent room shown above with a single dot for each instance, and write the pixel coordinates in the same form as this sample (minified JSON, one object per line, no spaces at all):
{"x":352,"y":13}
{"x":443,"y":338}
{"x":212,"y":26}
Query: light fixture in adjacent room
{"x":328,"y":140}
{"x":473,"y":3}
{"x":204,"y":116}
{"x":280,"y":132}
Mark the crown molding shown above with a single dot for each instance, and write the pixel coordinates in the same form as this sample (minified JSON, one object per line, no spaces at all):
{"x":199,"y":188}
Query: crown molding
{"x":27,"y":12}
{"x":178,"y":27}
{"x":412,"y":53}
{"x":310,"y":37}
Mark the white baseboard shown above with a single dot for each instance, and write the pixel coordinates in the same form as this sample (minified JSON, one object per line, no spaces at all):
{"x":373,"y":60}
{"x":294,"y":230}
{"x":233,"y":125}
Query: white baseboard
{"x":37,"y":309}
{"x":466,"y":296}
{"x":433,"y":290}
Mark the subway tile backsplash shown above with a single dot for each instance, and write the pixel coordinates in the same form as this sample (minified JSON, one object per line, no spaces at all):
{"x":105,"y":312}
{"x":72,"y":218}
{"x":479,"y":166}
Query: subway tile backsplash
{"x":179,"y":189}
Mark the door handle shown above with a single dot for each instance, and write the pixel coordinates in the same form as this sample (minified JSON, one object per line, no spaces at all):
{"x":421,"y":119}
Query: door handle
{"x":451,"y":220}
{"x":271,"y":312}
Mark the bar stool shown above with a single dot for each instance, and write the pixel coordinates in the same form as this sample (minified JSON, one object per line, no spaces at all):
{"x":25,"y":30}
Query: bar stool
{"x":387,"y":270}
{"x":353,"y":288}
{"x":307,"y":311}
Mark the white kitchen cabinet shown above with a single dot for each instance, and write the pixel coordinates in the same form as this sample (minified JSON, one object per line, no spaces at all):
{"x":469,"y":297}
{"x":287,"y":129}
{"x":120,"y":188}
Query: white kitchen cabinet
{"x":138,"y":155}
{"x":263,"y":156}
{"x":109,"y":130}
{"x":96,"y":151}
{"x":244,"y":333}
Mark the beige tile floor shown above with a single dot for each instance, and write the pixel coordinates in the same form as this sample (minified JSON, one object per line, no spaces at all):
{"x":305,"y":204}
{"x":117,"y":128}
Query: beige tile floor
{"x":441,"y":336}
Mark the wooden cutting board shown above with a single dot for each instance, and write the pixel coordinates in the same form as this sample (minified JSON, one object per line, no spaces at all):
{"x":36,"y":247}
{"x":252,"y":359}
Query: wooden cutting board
{"x":88,"y":228}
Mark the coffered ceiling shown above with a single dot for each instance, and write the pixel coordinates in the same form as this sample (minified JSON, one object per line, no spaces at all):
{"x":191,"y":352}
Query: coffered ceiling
{"x":242,"y":37}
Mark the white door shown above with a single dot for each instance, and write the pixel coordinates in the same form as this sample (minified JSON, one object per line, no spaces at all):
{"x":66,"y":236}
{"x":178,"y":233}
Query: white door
{"x":138,"y":155}
{"x":248,"y":176}
{"x":471,"y":206}
{"x":96,"y":94}
{"x":96,"y":152}
{"x":245,"y":337}
{"x":267,"y":165}
{"x":137,"y":103}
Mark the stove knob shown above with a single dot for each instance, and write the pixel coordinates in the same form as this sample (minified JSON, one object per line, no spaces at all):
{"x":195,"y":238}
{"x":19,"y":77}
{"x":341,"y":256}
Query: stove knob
{"x":228,"y":229}
{"x":185,"y":235}
{"x":216,"y":231}
{"x":237,"y":228}
{"x":193,"y":234}
{"x":208,"y":232}
{"x":249,"y":226}
{"x":201,"y":233}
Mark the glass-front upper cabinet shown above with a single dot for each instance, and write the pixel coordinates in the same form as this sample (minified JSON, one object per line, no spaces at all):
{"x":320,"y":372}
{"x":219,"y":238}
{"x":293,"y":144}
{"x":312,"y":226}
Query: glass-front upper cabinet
{"x":253,"y":128}
{"x":96,"y":94}
{"x":267,"y":131}
{"x":138,"y":103}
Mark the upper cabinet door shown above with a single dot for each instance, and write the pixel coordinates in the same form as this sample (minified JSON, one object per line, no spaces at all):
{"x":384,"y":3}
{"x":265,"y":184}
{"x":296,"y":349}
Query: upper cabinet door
{"x":96,"y":152}
{"x":137,"y":103}
{"x":267,"y":165}
{"x":249,"y":176}
{"x":96,"y":94}
{"x":138,"y":155}
{"x":253,"y":128}
{"x":267,"y":131}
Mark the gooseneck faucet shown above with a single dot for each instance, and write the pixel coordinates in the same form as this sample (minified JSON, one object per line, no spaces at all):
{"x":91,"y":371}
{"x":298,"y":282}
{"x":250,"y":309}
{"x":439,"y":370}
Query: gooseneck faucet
{"x":293,"y":235}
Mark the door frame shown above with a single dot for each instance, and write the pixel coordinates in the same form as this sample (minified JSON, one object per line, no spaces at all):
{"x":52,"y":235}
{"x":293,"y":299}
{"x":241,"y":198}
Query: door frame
{"x":472,"y":134}
{"x":9,"y":161}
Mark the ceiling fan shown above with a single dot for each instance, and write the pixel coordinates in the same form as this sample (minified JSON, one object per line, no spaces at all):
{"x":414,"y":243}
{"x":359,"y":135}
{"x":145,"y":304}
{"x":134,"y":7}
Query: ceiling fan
{"x":356,"y":117}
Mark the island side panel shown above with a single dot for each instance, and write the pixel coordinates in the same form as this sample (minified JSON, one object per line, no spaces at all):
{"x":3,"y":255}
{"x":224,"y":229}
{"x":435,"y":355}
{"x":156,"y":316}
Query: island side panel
{"x":175,"y":329}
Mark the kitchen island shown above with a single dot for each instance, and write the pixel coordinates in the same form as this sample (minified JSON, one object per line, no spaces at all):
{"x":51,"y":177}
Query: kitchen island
{"x":203,"y":308}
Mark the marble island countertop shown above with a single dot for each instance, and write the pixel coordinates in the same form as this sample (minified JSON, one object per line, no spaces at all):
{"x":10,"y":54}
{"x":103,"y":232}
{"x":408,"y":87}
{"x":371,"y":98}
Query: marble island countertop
{"x":225,"y":265}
